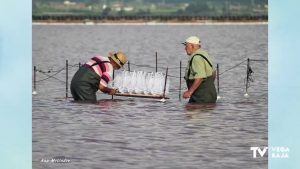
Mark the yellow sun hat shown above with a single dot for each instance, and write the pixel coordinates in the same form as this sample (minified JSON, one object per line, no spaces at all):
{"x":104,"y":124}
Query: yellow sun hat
{"x":119,"y":58}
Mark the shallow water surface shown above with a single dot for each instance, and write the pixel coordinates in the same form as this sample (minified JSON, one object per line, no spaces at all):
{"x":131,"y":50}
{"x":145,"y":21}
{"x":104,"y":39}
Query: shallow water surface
{"x":146,"y":133}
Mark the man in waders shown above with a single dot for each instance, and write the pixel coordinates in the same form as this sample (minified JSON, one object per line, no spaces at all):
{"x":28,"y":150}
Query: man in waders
{"x":95,"y":74}
{"x":199,"y":73}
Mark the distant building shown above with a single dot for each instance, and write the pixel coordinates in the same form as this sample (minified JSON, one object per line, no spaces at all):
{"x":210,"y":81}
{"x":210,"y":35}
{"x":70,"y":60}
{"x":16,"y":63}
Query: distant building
{"x":117,"y":7}
{"x":128,"y":8}
{"x":235,"y":7}
{"x":67,"y":4}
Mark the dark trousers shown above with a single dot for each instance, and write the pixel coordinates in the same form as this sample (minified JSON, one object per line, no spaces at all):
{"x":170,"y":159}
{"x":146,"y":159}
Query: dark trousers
{"x":205,"y":93}
{"x":85,"y":84}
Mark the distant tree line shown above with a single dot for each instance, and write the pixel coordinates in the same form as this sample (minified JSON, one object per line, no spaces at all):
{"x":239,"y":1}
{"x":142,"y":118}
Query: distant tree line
{"x":193,"y":7}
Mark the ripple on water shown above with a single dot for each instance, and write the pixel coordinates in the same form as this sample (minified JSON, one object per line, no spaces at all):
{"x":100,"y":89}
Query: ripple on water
{"x":140,"y":133}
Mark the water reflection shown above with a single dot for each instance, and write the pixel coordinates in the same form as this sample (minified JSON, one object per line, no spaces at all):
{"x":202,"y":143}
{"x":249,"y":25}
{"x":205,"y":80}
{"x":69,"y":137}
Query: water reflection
{"x":199,"y":111}
{"x":107,"y":104}
{"x":146,"y":133}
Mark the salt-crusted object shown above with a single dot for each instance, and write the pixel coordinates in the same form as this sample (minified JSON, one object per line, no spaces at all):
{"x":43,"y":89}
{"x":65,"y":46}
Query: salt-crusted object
{"x":141,"y":83}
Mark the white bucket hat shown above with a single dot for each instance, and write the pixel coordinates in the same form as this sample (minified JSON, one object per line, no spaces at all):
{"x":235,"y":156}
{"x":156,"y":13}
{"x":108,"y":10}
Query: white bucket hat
{"x":193,"y":40}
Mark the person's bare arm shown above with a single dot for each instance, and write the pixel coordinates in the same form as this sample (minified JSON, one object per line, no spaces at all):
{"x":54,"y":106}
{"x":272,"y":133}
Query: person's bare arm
{"x":195,"y":85}
{"x":107,"y":90}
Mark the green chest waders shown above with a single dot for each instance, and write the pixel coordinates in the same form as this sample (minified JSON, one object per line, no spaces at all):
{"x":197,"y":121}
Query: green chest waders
{"x":206,"y":92}
{"x":85,"y":83}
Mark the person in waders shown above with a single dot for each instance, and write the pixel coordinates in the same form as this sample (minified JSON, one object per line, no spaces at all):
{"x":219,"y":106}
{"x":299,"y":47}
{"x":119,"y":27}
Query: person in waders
{"x":95,"y":74}
{"x":199,"y":73}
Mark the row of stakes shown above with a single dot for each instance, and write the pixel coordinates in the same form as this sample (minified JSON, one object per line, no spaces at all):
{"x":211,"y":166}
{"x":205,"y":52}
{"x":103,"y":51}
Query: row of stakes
{"x":249,"y":71}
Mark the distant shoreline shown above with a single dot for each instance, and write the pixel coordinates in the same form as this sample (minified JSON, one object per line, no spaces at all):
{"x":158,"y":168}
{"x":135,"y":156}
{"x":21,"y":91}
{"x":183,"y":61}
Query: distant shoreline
{"x":147,"y":20}
{"x":154,"y":22}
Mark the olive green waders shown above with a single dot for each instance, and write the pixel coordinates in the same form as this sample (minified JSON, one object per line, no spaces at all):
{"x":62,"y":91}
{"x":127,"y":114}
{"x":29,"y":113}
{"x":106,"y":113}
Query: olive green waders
{"x":206,"y":92}
{"x":85,"y":84}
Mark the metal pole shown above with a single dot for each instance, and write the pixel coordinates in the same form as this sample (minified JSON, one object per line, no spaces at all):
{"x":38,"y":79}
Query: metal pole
{"x":165,"y":83}
{"x":180,"y":80}
{"x":34,"y":78}
{"x":67,"y":84}
{"x":128,"y":66}
{"x":79,"y":65}
{"x":155,"y":61}
{"x":218,"y":79}
{"x":247,"y":82}
{"x":112,"y":96}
